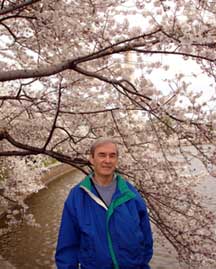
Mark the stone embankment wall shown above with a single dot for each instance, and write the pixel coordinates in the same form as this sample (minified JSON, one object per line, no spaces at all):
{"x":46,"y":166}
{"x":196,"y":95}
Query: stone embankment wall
{"x":56,"y":170}
{"x":53,"y":172}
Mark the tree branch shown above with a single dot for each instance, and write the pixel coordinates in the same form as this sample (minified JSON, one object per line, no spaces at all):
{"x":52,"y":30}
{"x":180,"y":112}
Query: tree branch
{"x":26,"y":150}
{"x":18,"y":6}
{"x":56,"y":117}
{"x":44,"y":71}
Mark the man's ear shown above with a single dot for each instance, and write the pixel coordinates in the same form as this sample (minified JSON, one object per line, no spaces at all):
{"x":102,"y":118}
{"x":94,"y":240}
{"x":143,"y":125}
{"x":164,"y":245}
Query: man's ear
{"x":91,"y":159}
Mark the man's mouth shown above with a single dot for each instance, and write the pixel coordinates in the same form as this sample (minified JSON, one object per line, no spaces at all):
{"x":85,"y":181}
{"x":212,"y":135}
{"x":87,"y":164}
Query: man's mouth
{"x":106,"y":167}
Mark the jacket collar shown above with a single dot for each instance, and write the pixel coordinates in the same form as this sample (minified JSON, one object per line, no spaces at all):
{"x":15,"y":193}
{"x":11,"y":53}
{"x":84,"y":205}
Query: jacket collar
{"x":121,"y":183}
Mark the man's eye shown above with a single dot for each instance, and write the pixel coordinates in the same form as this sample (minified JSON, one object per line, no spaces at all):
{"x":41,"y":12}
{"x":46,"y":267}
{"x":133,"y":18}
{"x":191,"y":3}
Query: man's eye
{"x":101,"y":155}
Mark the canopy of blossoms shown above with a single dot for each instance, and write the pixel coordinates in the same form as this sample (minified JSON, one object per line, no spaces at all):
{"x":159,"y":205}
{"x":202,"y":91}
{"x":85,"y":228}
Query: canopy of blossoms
{"x":142,"y":72}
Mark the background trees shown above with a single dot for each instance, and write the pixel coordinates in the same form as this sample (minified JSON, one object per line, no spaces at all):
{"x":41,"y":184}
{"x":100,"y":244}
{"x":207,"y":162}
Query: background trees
{"x":140,"y":71}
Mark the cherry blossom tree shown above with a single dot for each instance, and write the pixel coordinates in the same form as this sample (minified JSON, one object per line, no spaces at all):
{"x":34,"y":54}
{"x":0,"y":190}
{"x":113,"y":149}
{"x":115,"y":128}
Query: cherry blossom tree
{"x":74,"y":71}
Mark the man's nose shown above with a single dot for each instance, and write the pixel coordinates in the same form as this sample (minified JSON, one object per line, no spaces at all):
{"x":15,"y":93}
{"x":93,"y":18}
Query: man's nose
{"x":107,"y":159}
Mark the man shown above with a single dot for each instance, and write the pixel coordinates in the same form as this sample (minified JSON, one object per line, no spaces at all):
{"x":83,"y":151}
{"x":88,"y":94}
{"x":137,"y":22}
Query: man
{"x":105,"y":224}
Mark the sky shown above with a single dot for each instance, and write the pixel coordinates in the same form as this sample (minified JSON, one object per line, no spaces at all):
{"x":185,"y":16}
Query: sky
{"x":199,"y":82}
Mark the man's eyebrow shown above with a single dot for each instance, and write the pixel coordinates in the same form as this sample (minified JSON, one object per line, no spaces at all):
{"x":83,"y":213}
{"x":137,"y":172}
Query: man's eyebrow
{"x":110,"y":153}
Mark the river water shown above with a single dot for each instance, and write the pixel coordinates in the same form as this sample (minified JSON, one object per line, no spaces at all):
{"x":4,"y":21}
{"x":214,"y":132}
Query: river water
{"x":33,"y":248}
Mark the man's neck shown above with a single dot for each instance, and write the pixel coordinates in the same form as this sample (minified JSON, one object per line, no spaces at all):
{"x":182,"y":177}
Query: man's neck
{"x":103,"y":180}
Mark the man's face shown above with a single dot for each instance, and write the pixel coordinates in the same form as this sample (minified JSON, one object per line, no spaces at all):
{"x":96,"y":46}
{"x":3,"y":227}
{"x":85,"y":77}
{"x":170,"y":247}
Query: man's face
{"x":105,"y":160}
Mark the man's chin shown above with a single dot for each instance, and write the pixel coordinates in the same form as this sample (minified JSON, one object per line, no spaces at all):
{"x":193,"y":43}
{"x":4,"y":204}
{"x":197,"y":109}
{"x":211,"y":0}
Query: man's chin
{"x":108,"y":173}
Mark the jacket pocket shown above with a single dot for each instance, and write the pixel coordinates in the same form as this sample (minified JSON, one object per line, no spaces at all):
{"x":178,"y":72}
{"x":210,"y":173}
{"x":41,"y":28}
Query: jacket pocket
{"x":131,"y":244}
{"x":87,"y":248}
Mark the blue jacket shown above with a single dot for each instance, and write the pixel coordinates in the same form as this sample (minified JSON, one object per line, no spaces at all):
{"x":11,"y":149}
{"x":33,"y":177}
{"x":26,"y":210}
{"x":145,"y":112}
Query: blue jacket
{"x":96,"y":237}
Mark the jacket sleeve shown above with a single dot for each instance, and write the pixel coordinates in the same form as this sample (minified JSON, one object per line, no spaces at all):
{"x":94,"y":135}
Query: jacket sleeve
{"x":147,"y":232}
{"x":66,"y":256}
